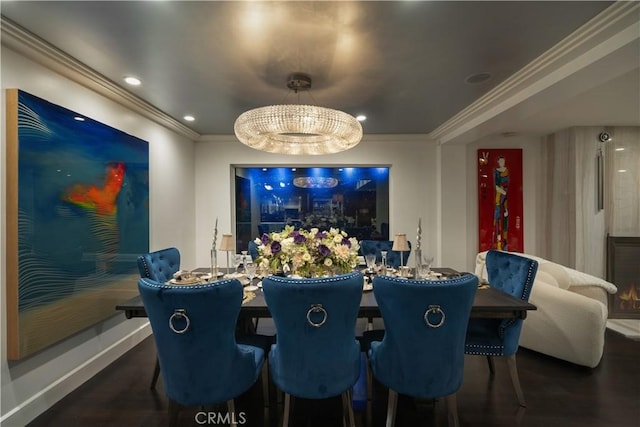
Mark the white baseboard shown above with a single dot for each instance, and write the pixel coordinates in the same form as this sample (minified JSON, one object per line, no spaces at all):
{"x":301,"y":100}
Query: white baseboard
{"x":30,"y":409}
{"x":630,"y":328}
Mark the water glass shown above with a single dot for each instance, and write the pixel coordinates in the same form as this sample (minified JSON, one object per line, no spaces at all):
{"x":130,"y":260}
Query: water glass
{"x":370,"y":260}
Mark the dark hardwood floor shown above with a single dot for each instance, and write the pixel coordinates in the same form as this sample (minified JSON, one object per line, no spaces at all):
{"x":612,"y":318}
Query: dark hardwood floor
{"x":557,"y":393}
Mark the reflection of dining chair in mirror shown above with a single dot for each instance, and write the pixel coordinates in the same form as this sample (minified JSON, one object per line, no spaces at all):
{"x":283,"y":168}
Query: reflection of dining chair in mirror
{"x":394,"y":258}
{"x":514,"y":275}
{"x":316,"y":355}
{"x":422,"y":352}
{"x":159,"y":266}
{"x":186,"y":320}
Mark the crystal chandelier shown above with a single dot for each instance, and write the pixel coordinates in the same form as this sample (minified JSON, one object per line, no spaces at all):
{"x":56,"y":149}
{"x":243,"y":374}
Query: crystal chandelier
{"x":298,"y":129}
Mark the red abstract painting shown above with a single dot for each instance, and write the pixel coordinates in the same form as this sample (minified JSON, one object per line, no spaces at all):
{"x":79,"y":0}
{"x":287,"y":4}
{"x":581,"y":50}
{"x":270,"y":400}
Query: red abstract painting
{"x":500,"y":206}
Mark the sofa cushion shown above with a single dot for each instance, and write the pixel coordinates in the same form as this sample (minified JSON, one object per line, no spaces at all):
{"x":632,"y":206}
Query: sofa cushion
{"x":481,"y":268}
{"x":557,"y":273}
{"x":546,"y":278}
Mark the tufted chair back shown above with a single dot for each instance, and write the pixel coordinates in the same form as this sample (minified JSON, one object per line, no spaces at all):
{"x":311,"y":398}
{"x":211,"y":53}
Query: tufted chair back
{"x":194,"y":330}
{"x":422,"y":352}
{"x":316,"y":355}
{"x":376,"y":246}
{"x":159,"y":265}
{"x":253,"y":250}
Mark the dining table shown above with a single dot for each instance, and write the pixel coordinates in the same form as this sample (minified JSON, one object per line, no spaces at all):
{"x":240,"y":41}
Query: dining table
{"x":488,"y":303}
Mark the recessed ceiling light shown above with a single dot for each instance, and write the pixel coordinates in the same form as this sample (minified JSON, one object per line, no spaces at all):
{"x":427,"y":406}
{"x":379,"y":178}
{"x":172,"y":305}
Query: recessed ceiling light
{"x":189,"y":118}
{"x":361,"y":118}
{"x":622,"y":170}
{"x":477,"y":78}
{"x":133,"y":81}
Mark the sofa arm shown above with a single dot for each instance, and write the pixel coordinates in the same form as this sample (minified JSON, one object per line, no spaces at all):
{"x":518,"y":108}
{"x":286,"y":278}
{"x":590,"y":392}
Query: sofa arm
{"x":566,"y":325}
{"x":593,"y":292}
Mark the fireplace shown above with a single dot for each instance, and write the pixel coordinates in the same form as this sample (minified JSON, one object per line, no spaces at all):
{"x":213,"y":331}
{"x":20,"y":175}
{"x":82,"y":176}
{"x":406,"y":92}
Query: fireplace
{"x":623,"y":269}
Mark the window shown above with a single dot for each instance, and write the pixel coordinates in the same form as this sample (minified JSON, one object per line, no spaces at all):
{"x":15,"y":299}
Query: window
{"x":354,"y":199}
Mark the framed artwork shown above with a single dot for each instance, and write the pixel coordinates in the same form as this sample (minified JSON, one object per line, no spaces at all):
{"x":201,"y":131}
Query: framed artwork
{"x":623,"y":270}
{"x":500,"y":204}
{"x":77,"y":218}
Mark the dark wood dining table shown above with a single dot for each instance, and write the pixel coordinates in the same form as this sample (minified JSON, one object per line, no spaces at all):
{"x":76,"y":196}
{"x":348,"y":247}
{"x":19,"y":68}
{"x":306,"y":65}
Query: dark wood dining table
{"x":488,"y":303}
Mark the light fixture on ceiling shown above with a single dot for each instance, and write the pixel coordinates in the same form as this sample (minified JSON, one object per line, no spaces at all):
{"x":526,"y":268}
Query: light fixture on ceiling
{"x":133,"y":81}
{"x":298,"y":129}
{"x":315,"y":182}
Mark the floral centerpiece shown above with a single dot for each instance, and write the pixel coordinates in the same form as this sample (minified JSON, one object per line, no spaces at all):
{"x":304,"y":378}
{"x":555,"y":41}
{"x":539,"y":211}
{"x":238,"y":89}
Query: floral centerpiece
{"x":307,"y":253}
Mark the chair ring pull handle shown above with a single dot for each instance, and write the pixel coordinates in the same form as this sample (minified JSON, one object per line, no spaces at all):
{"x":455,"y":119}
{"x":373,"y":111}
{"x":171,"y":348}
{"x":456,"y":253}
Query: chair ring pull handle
{"x":178,"y":314}
{"x":435,"y":309}
{"x":317,"y":308}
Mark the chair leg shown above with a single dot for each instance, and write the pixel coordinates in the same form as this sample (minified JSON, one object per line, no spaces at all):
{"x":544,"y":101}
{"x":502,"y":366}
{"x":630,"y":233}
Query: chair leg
{"x":391,"y":408}
{"x":156,"y":374}
{"x":174,"y":408}
{"x":231,"y":409}
{"x":452,"y":410}
{"x":347,"y":409}
{"x":287,"y":408}
{"x":369,"y":410}
{"x":270,"y":395}
{"x":492,"y":366}
{"x":513,"y":371}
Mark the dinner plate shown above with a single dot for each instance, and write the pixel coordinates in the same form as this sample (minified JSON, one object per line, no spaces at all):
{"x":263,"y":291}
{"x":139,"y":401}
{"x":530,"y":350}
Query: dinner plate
{"x":189,"y":281}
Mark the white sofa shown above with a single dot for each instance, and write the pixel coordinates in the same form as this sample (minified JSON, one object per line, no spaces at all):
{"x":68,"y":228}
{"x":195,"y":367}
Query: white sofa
{"x":571,"y":318}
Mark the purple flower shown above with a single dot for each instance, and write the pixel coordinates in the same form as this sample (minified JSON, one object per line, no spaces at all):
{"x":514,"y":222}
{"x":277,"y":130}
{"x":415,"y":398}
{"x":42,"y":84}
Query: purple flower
{"x":346,"y":242}
{"x":264,"y":238}
{"x":298,"y":237}
{"x":275,"y":247}
{"x":321,"y":235}
{"x":324,"y":251}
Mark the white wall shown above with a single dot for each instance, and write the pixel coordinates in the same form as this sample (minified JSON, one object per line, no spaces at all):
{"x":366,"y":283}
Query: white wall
{"x":412,"y":182}
{"x":32,"y":385}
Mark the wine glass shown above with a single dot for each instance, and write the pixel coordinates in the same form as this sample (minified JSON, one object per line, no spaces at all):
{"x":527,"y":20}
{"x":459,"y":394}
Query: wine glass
{"x":427,"y":260}
{"x":237,"y":261}
{"x":251,"y":269}
{"x":370,"y":260}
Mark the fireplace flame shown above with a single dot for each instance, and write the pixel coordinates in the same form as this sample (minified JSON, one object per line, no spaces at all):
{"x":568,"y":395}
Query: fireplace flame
{"x":629,"y":299}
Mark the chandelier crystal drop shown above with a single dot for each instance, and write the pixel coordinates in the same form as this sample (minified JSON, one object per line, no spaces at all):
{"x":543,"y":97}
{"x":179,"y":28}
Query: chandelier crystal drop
{"x":298,"y":129}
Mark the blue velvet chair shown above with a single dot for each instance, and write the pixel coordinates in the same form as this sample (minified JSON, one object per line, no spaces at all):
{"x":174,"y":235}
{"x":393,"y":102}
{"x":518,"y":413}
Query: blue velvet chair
{"x":159,"y":266}
{"x":253,"y":250}
{"x":194,"y":330}
{"x":514,"y":275}
{"x":422,"y":352}
{"x":316,"y":355}
{"x":377,"y":246}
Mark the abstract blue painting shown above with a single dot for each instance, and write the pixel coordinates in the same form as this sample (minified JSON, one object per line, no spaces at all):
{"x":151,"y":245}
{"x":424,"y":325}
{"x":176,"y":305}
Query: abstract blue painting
{"x":77,"y":218}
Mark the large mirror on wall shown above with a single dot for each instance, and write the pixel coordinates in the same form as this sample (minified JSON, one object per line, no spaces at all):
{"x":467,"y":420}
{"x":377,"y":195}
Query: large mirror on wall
{"x":354,"y":199}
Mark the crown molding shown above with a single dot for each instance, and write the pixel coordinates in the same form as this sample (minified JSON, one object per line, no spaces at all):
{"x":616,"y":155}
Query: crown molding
{"x":38,"y":50}
{"x":613,"y":28}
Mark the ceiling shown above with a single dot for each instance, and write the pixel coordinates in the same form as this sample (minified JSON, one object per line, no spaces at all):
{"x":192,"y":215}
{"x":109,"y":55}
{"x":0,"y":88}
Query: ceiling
{"x":403,"y":64}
